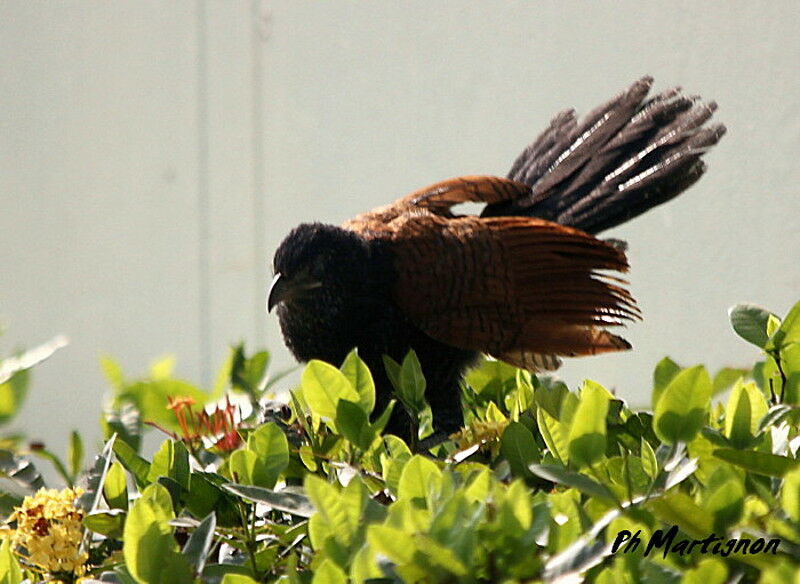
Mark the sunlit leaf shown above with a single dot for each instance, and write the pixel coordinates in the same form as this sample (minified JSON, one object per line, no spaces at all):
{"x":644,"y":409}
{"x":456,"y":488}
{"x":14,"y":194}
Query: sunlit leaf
{"x":758,"y":462}
{"x":10,"y":571}
{"x":323,"y":386}
{"x":750,"y":322}
{"x":359,"y":376}
{"x":587,"y":433}
{"x":682,"y":407}
{"x":269,"y":444}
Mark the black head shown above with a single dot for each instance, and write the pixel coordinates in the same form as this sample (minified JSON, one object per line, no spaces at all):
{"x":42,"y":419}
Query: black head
{"x":317,"y":262}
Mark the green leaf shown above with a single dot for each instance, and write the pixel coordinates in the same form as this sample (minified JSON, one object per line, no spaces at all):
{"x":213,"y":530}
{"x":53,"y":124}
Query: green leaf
{"x":113,"y":373}
{"x":162,"y":367}
{"x":135,"y":464}
{"x":665,"y":370}
{"x":150,"y":551}
{"x":726,"y":377}
{"x":758,"y":462}
{"x":746,"y":407}
{"x":790,"y":494}
{"x":560,"y":475}
{"x":107,"y":522}
{"x":708,"y":571}
{"x":554,"y":434}
{"x":331,"y":508}
{"x":394,"y":543}
{"x":10,"y":571}
{"x":269,"y":443}
{"x":412,"y":383}
{"x":392,"y":371}
{"x":587,"y":433}
{"x":329,"y":573}
{"x":419,"y":474}
{"x":682,"y":408}
{"x":171,"y":460}
{"x":678,"y":508}
{"x":393,"y":461}
{"x":115,"y":488}
{"x":649,"y":461}
{"x":207,"y":495}
{"x":75,"y":455}
{"x":245,"y":467}
{"x":788,"y":332}
{"x":493,"y":379}
{"x":724,"y":498}
{"x":750,"y":322}
{"x":551,"y":396}
{"x":323,"y":386}
{"x":200,"y":543}
{"x":12,"y":394}
{"x":237,"y":579}
{"x":519,"y":448}
{"x":247,"y":375}
{"x":359,"y":376}
{"x":286,"y":501}
{"x":352,"y":422}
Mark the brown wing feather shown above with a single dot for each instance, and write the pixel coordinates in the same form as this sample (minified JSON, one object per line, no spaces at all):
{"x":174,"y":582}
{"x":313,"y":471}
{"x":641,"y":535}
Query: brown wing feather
{"x":438,"y":198}
{"x":520,"y":289}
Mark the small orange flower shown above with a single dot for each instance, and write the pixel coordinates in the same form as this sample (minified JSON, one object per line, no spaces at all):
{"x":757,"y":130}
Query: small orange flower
{"x":219,"y":426}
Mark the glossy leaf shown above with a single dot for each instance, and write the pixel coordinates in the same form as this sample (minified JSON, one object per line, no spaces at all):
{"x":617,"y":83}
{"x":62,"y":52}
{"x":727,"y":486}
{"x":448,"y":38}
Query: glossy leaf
{"x":107,"y":522}
{"x":682,"y":407}
{"x":359,"y":376}
{"x":419,"y":474}
{"x":519,"y":448}
{"x":412,"y":383}
{"x":665,"y":371}
{"x":758,"y":462}
{"x":788,"y":332}
{"x":150,"y":551}
{"x":587,"y":433}
{"x":10,"y":571}
{"x":286,"y":501}
{"x":562,"y":476}
{"x":198,"y":548}
{"x":269,"y":444}
{"x":352,"y":422}
{"x":323,"y":386}
{"x":750,"y":322}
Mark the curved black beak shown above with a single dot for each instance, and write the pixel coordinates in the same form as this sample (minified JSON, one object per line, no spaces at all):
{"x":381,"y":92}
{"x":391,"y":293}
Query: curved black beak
{"x":278,"y":291}
{"x":283,"y":289}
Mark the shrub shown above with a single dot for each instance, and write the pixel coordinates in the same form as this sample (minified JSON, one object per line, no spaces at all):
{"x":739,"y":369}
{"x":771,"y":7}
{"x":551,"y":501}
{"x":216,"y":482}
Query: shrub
{"x":543,"y":484}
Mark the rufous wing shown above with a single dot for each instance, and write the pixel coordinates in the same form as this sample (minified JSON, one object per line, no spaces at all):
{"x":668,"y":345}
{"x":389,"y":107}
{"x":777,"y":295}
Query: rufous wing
{"x":521,"y":289}
{"x":438,"y":199}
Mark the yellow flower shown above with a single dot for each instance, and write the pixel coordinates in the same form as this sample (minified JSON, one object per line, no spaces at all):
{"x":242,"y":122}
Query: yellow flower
{"x":49,"y":531}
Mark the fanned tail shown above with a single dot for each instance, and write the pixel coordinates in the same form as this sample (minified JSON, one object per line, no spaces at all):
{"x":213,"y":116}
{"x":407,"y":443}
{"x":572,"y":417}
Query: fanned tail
{"x":624,"y":158}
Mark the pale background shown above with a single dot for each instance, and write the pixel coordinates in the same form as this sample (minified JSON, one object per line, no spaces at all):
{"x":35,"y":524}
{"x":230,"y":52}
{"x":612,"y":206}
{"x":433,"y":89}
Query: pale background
{"x":153,"y":155}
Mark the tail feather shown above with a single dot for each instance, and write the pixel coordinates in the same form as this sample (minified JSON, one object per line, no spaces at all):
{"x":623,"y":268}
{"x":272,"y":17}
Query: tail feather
{"x":622,"y":159}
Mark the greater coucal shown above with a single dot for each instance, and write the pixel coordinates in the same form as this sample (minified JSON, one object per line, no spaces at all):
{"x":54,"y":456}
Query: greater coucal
{"x":524,"y":282}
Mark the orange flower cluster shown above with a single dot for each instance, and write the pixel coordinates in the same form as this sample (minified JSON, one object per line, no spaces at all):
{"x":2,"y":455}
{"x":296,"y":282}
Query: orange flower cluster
{"x":218,"y":426}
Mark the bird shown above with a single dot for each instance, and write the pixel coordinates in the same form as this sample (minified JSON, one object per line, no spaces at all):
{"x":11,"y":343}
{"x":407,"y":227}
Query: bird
{"x":527,"y":281}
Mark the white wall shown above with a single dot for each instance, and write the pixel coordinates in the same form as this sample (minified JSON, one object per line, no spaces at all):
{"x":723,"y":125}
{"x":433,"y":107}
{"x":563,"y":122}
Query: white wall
{"x":153,"y":155}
